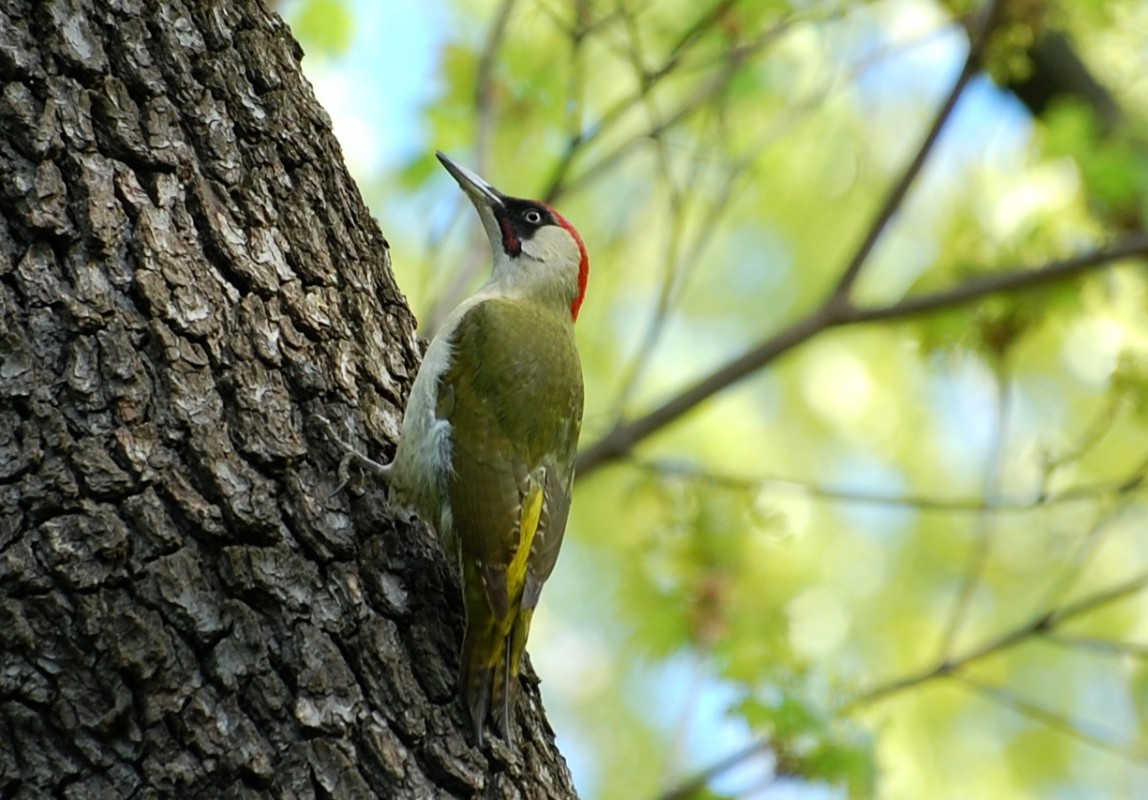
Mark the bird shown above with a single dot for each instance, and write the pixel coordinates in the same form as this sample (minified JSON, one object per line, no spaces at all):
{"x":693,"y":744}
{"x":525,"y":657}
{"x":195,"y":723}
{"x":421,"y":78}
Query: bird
{"x":490,"y":433}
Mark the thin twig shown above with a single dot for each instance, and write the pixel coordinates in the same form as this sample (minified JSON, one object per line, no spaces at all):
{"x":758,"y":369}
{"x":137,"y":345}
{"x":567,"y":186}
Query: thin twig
{"x":1090,"y":733}
{"x":484,"y":82}
{"x":1098,"y":428}
{"x":689,"y":472}
{"x":986,"y":522}
{"x":1107,"y":646}
{"x":484,"y":113}
{"x":697,"y":782}
{"x":675,"y":754}
{"x":1090,"y":544}
{"x":1037,"y":625}
{"x":738,"y":57}
{"x":679,"y":256}
{"x":675,"y":201}
{"x":557,"y":184}
{"x":576,"y":86}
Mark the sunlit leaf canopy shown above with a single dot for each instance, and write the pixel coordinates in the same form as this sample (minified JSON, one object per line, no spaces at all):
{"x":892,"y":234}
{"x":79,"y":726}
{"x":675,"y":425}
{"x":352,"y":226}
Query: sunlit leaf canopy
{"x":905,"y":553}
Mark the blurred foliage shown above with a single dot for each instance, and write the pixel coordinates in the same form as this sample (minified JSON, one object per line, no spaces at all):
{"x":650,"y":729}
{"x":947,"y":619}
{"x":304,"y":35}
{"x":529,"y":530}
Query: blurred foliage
{"x":325,"y":28}
{"x":1112,"y":167}
{"x":859,"y":555}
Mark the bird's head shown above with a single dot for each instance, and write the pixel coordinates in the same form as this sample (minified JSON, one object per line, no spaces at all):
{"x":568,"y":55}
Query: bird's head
{"x":536,"y":251}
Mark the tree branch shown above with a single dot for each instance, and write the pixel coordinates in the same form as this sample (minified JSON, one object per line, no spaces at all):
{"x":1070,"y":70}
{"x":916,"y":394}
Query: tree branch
{"x":1040,"y":624}
{"x":1002,"y":283}
{"x":622,"y":438}
{"x":619,"y":441}
{"x":896,"y":197}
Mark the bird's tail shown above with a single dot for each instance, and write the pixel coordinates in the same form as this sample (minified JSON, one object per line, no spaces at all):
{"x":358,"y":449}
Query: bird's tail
{"x":480,"y":655}
{"x":497,"y":625}
{"x":505,"y":685}
{"x":491,"y":661}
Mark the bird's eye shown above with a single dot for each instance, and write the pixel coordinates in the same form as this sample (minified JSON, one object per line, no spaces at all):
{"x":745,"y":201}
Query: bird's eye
{"x":532,"y":216}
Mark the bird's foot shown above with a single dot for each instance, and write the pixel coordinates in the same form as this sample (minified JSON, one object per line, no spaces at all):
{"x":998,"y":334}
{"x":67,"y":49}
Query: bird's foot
{"x":349,"y":454}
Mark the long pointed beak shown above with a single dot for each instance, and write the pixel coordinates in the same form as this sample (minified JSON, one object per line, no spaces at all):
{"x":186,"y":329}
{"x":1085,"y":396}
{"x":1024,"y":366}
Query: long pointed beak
{"x":472,"y":184}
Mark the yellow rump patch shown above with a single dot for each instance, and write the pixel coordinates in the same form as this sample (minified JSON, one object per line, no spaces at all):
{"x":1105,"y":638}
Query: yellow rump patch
{"x":531,"y":514}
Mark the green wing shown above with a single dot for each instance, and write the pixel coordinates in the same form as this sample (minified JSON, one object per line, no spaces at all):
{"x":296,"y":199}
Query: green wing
{"x":513,"y":396}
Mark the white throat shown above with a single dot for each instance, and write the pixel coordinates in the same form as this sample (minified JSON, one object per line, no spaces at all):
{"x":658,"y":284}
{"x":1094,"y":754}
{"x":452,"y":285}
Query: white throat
{"x":546,"y":270}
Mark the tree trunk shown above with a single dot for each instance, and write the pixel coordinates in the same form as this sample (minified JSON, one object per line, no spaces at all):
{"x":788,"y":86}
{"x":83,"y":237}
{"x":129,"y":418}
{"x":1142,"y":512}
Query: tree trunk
{"x":190,"y":605}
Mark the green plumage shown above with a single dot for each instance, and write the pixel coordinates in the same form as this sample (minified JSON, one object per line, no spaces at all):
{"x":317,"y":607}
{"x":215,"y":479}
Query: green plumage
{"x":512,"y":394}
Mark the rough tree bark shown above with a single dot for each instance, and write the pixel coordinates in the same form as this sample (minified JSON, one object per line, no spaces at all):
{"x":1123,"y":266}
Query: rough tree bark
{"x":189,"y":605}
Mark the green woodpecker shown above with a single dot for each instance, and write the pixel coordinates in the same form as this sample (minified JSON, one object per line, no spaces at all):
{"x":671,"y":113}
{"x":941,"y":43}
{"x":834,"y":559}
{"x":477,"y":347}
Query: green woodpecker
{"x":490,"y":433}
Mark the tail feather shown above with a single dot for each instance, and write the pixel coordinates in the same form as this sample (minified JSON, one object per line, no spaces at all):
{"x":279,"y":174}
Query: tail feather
{"x":475,"y":679}
{"x":502,"y":698}
{"x":494,"y":593}
{"x":488,"y":674}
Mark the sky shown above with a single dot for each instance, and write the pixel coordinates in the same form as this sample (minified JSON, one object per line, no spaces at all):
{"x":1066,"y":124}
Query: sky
{"x":374,"y":94}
